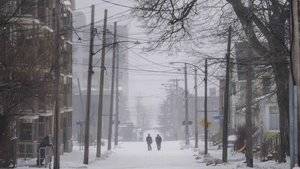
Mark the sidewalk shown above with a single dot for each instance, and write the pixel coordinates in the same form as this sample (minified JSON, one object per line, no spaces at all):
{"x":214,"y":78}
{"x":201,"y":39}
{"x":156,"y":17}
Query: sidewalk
{"x":235,"y":161}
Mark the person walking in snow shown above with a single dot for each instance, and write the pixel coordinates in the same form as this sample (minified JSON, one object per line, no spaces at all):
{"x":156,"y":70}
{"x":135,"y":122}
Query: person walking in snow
{"x":42,"y":150}
{"x":149,"y":142}
{"x":158,"y":141}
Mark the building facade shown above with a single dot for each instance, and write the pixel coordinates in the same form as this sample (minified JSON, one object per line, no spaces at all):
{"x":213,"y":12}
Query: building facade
{"x":27,"y":67}
{"x":264,"y":105}
{"x":213,"y":113}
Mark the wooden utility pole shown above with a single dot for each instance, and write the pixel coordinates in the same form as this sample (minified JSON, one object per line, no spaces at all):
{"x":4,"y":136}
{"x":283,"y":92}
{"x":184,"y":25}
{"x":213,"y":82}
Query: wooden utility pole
{"x":294,"y":118}
{"x":89,"y":84}
{"x":249,"y":146}
{"x":294,"y":88}
{"x":186,"y":122}
{"x":196,"y":109}
{"x":117,"y":99}
{"x":205,"y":111}
{"x":248,"y":117}
{"x":226,"y":99}
{"x":56,"y":164}
{"x":112,"y":88}
{"x":176,"y":101}
{"x":101,"y":87}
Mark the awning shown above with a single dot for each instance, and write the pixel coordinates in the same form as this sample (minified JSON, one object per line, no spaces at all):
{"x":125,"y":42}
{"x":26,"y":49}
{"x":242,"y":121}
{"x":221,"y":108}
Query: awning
{"x":48,"y":114}
{"x":28,"y":118}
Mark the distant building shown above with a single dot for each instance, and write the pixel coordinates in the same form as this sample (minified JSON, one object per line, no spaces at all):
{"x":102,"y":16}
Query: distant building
{"x":80,"y":67}
{"x":213,"y":114}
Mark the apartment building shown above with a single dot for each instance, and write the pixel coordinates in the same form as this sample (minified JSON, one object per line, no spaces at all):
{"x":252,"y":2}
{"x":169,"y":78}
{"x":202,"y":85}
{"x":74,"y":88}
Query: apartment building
{"x":27,"y":79}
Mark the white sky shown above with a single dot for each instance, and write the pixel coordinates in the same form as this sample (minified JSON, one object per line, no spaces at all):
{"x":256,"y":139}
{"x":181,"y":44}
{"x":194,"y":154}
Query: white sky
{"x":145,"y":84}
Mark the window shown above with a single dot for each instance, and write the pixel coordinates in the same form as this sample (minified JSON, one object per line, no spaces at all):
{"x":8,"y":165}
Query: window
{"x":43,"y":10}
{"x":28,"y":8}
{"x":266,"y":82}
{"x":42,"y":128}
{"x":274,"y":118}
{"x":26,"y":150}
{"x":26,"y":131}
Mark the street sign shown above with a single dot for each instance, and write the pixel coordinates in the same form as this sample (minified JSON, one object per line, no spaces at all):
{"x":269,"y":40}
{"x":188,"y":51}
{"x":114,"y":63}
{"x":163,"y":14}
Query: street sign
{"x":188,"y":123}
{"x":114,"y":122}
{"x":208,"y":125}
{"x":218,"y":117}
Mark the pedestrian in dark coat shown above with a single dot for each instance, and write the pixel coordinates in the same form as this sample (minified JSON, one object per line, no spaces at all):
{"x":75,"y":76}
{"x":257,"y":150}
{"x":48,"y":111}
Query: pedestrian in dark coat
{"x":42,"y":150}
{"x":149,"y":142}
{"x":158,"y":141}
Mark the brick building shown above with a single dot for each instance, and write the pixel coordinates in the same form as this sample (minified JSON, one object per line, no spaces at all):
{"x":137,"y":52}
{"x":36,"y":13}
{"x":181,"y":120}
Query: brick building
{"x":26,"y":78}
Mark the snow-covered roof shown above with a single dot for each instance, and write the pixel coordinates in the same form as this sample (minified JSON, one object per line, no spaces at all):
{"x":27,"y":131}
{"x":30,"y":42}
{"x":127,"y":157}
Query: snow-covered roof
{"x":263,"y":97}
{"x":67,"y":2}
{"x":47,"y":114}
{"x":68,"y":5}
{"x":29,"y":118}
{"x":47,"y":28}
{"x":68,"y":109}
{"x":25,"y":20}
{"x":69,"y":42}
{"x":232,"y":138}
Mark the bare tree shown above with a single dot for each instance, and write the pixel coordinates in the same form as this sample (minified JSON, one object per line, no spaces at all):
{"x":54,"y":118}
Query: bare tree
{"x":265,"y":27}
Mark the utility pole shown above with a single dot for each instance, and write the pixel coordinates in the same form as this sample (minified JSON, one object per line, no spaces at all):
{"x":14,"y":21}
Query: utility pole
{"x":294,"y":118}
{"x":186,"y":122}
{"x":176,"y":101}
{"x":196,"y":109}
{"x":294,"y":89}
{"x":226,"y":99}
{"x":205,"y":110}
{"x":89,"y":84}
{"x":117,"y":99}
{"x":56,"y":164}
{"x":249,"y":146}
{"x":101,"y":86}
{"x":111,"y":110}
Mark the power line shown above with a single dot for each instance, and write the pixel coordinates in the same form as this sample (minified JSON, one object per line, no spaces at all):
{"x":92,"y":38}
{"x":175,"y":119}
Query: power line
{"x":148,"y":60}
{"x":142,"y":70}
{"x":100,"y":20}
{"x":117,"y":4}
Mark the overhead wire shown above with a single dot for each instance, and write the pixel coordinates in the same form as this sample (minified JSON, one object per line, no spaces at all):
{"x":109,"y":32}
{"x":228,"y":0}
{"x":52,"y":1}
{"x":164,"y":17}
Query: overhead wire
{"x":150,"y":61}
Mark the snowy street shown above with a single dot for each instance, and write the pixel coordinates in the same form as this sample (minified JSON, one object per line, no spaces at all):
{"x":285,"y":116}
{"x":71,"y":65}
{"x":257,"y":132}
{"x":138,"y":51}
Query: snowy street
{"x":214,"y":84}
{"x":134,"y":155}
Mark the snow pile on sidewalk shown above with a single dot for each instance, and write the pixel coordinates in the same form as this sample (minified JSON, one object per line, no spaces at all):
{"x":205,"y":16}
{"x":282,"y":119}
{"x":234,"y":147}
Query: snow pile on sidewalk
{"x":213,"y":160}
{"x":73,"y":160}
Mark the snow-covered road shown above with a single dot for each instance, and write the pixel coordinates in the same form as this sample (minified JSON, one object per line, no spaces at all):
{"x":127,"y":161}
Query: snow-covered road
{"x":134,"y":155}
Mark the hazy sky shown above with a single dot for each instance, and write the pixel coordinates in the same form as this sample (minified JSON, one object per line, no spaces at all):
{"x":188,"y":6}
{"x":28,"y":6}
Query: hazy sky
{"x":141,"y":83}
